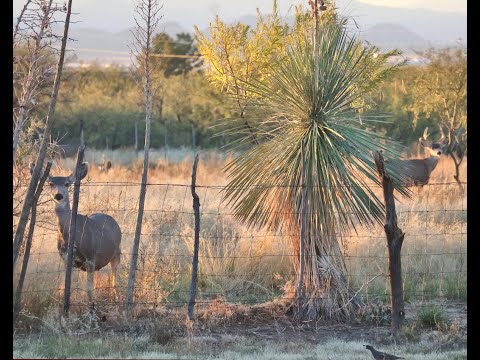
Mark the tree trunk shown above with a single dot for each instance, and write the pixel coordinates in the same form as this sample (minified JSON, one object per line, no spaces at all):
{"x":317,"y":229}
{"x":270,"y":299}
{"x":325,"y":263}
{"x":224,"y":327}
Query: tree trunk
{"x":148,"y":10}
{"x":395,"y":238}
{"x":22,"y":223}
{"x":166,"y":140}
{"x":457,"y":170}
{"x":141,"y":203}
{"x":82,"y":139}
{"x":326,"y":294}
{"x":28,"y":245}
{"x":193,"y":136}
{"x":136,"y":136}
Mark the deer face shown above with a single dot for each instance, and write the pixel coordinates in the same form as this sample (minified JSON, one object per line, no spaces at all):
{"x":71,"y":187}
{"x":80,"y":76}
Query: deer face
{"x":434,"y":149}
{"x":59,"y":186}
{"x":59,"y":189}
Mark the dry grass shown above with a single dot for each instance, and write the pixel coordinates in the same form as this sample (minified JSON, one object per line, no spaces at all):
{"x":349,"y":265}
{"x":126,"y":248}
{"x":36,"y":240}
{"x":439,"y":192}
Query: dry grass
{"x":238,"y":264}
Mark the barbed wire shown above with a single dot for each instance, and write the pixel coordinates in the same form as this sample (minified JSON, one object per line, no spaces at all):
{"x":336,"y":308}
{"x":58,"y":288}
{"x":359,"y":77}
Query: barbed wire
{"x":260,"y":186}
{"x":232,"y":262}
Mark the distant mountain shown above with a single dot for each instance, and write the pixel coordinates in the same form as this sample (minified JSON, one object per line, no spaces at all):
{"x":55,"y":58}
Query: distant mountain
{"x":394,"y":36}
{"x":385,"y":27}
{"x":107,"y":47}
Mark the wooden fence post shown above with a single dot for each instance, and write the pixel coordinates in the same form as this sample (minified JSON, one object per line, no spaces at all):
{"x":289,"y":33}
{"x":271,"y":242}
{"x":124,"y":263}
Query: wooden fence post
{"x":395,"y":238}
{"x":196,"y":210}
{"x":303,"y":225}
{"x":18,"y":293}
{"x":72,"y":232}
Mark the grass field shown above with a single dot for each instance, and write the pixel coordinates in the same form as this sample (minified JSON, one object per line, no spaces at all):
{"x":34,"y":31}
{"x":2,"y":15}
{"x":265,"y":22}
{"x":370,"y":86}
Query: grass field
{"x":240,"y":266}
{"x":226,"y":347}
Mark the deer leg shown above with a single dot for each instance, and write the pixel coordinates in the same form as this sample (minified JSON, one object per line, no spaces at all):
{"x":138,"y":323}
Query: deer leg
{"x":90,"y":281}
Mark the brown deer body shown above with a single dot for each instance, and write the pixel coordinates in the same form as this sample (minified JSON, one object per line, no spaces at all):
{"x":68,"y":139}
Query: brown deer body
{"x":418,"y":171}
{"x":97,"y":236}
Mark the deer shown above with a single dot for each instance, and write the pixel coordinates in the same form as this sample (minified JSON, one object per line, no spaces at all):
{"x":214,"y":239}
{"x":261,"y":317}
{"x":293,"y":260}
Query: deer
{"x":105,"y":165}
{"x":418,"y":171}
{"x":97,"y":236}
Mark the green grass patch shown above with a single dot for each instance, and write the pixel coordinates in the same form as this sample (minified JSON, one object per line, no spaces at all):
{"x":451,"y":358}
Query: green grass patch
{"x":228,"y":347}
{"x":433,"y":317}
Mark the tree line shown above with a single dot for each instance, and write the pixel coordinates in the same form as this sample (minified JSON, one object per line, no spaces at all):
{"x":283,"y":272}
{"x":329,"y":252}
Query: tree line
{"x":188,"y":110}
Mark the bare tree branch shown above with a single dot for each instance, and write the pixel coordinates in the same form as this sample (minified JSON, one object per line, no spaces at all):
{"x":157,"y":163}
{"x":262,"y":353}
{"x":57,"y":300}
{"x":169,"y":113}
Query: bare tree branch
{"x":146,"y":18}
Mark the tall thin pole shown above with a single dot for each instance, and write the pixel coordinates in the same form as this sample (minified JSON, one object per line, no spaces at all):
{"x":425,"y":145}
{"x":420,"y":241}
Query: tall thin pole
{"x":196,"y":211}
{"x":148,"y":13}
{"x":302,"y":235}
{"x":72,"y":238}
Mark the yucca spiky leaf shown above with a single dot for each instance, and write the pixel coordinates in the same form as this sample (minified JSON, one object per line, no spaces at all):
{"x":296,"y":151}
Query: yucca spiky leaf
{"x":291,"y":113}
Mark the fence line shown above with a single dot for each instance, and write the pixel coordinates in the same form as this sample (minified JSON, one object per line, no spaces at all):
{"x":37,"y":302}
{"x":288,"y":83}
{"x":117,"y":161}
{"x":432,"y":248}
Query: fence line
{"x":250,"y":265}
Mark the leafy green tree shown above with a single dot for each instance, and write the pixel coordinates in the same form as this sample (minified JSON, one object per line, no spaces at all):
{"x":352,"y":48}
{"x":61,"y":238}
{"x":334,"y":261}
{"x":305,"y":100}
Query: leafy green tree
{"x":311,"y":155}
{"x":185,"y":54}
{"x":191,"y":101}
{"x":237,"y":54}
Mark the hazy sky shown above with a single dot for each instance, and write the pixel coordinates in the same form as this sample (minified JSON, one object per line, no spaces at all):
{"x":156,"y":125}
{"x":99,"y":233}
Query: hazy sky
{"x":116,"y":15}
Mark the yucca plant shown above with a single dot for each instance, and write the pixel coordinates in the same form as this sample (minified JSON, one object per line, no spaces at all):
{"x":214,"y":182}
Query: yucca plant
{"x":309,"y":136}
{"x":299,"y":112}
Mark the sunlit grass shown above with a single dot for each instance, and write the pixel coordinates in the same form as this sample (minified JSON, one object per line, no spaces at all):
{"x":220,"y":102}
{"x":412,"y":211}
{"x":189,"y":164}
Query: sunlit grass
{"x":237,"y":263}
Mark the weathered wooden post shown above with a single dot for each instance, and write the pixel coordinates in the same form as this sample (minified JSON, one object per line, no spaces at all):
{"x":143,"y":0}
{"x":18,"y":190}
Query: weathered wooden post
{"x":18,"y":293}
{"x":196,"y":211}
{"x":395,"y":238}
{"x":303,"y":224}
{"x":72,"y":233}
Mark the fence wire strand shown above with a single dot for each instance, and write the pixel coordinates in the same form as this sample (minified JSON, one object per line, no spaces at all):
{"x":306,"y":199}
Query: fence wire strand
{"x":246,"y":265}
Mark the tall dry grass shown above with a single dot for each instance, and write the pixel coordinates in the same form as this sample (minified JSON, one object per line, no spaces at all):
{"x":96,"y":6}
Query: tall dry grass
{"x":237,"y":263}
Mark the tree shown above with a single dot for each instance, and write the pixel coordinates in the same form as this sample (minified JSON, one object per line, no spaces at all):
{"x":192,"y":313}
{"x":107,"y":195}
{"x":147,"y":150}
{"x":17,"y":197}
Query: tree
{"x":33,"y":59}
{"x":147,"y":18}
{"x":185,"y":54}
{"x":311,"y":155}
{"x":29,"y":196}
{"x":440,"y":92}
{"x":236,"y":55}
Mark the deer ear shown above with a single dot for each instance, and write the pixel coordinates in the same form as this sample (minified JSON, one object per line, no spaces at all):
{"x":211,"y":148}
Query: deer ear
{"x":83,"y":170}
{"x":83,"y":173}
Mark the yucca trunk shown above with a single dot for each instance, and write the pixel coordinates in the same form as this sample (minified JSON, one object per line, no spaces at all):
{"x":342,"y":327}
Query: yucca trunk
{"x":325,"y":291}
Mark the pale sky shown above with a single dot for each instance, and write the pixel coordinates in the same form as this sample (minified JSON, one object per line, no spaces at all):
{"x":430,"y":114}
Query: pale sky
{"x":439,"y":5}
{"x":116,"y":15}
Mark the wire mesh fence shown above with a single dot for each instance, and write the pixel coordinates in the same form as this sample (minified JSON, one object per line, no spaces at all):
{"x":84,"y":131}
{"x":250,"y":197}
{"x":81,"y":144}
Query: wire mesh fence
{"x":245,"y":265}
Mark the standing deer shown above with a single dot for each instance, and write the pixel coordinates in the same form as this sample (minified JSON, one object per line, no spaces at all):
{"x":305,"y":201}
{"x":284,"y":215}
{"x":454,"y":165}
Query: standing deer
{"x":97,"y":236}
{"x":418,"y":171}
